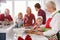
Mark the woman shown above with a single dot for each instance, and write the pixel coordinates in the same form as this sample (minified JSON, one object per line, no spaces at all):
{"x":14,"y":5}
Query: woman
{"x":29,"y":18}
{"x":40,"y":12}
{"x":53,"y":22}
{"x":6,"y":15}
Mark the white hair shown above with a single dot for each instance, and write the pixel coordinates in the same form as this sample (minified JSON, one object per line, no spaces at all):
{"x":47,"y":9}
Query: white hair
{"x":51,"y":3}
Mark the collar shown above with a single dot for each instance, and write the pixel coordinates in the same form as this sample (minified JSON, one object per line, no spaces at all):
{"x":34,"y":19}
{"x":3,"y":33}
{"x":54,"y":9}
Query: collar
{"x":53,"y":13}
{"x":39,"y":10}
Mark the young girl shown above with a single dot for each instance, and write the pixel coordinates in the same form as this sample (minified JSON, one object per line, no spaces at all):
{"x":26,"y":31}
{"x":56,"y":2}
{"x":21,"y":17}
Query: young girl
{"x":38,"y":25}
{"x":19,"y":20}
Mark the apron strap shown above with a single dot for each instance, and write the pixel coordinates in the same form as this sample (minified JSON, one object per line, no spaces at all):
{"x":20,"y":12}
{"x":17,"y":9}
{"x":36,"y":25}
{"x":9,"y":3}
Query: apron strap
{"x":56,"y":13}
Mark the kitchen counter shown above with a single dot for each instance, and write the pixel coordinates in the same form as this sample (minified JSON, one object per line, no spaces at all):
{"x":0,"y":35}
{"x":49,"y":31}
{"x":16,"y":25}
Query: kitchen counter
{"x":7,"y":30}
{"x":20,"y":32}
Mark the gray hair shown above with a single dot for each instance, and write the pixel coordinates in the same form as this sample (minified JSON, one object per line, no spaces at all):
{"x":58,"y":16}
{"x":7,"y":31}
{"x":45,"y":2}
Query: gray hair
{"x":52,"y":4}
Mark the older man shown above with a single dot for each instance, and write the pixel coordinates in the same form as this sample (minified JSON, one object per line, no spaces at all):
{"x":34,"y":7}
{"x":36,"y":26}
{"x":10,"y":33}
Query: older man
{"x":6,"y":15}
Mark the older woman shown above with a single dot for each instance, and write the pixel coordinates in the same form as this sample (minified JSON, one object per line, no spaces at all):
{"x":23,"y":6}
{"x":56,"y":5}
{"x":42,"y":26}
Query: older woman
{"x":29,"y":18}
{"x":53,"y":22}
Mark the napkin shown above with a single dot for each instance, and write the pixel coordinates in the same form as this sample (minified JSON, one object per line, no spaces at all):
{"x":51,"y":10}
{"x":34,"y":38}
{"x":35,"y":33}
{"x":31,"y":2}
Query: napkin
{"x":19,"y":38}
{"x":28,"y":38}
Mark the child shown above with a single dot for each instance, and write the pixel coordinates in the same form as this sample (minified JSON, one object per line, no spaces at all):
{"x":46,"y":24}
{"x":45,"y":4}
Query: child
{"x":38,"y":25}
{"x":19,"y":21}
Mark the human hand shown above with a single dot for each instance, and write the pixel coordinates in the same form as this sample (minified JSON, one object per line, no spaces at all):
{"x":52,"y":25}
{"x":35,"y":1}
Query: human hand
{"x":39,"y":33}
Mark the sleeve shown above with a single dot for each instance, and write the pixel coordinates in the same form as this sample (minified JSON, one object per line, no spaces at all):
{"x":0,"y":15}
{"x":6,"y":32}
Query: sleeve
{"x":25,"y":19}
{"x":1,"y":17}
{"x":55,"y":23}
{"x":43,"y":14}
{"x":16,"y":20}
{"x":22,"y":21}
{"x":44,"y":17}
{"x":34,"y":19}
{"x":10,"y":18}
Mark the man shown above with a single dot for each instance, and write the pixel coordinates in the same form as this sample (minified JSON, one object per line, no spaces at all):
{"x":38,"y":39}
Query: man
{"x":40,"y":12}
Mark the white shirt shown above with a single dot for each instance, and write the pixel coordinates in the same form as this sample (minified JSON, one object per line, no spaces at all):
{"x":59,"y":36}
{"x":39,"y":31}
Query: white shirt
{"x":20,"y":22}
{"x":55,"y":24}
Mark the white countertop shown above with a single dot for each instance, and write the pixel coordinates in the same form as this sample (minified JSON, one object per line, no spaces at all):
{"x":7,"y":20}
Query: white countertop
{"x":5,"y":29}
{"x":19,"y":32}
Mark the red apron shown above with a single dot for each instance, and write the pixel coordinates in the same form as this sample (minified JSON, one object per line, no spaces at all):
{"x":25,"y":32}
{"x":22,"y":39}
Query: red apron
{"x":49,"y":20}
{"x":48,"y":23}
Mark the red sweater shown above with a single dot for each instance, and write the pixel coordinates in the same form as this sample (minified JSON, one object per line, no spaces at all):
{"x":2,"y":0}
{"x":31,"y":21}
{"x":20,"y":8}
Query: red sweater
{"x":43,"y":14}
{"x":2,"y":17}
{"x":28,"y":20}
